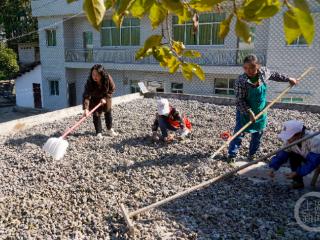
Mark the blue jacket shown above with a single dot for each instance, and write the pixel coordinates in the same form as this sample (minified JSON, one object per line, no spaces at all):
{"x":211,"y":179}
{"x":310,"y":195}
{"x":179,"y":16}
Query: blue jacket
{"x":312,"y":161}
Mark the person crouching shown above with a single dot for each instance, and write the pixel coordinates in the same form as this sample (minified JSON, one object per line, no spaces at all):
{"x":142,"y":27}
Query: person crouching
{"x":168,"y":118}
{"x":303,"y":157}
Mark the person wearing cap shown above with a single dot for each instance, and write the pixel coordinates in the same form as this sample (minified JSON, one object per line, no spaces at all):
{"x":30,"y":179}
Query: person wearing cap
{"x":251,"y":99}
{"x":303,"y":157}
{"x":168,"y":118}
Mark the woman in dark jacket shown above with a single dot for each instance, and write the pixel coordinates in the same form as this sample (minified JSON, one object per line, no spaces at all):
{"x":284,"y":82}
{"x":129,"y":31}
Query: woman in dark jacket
{"x":99,"y":88}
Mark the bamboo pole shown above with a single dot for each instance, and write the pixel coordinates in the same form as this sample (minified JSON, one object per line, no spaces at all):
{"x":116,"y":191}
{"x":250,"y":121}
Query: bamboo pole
{"x":128,"y":215}
{"x":259,"y":114}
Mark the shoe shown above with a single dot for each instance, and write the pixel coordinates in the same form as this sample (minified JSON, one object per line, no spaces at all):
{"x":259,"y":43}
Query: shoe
{"x":112,"y":133}
{"x":231,"y":159}
{"x":297,"y":185}
{"x":99,"y":136}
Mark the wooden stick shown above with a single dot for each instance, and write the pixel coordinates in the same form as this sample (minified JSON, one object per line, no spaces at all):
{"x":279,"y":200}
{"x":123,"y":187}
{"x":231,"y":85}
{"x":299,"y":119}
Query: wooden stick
{"x":216,"y":179}
{"x":259,"y":115}
{"x":315,"y":177}
{"x":127,"y":218}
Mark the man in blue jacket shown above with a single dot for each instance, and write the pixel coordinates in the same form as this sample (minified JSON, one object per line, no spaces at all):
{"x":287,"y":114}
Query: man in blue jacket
{"x":307,"y":152}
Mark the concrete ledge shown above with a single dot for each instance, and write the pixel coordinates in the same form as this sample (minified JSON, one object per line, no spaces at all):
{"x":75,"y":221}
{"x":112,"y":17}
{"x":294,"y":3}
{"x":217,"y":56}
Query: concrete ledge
{"x":231,"y":101}
{"x":21,"y":124}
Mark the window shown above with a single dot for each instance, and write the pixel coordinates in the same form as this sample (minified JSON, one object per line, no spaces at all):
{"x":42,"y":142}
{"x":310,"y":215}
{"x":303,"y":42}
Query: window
{"x":134,"y":87}
{"x":154,"y":86}
{"x":177,"y":87}
{"x":292,"y":100}
{"x":300,"y":41}
{"x":51,"y":37}
{"x":224,"y":86}
{"x":208,"y":32}
{"x":54,"y":88}
{"x":127,"y":35}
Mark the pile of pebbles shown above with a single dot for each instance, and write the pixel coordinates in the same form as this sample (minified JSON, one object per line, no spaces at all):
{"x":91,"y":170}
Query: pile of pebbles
{"x":78,"y":197}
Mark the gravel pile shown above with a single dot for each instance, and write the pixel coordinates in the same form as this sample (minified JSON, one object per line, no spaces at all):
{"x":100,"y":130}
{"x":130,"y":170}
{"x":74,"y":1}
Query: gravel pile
{"x":78,"y":197}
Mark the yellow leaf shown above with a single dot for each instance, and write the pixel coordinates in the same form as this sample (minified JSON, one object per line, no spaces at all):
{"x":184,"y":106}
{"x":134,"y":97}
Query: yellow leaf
{"x":157,"y":15}
{"x":140,"y":7}
{"x":225,"y":26}
{"x":204,"y":5}
{"x":178,"y":47}
{"x":243,"y":31}
{"x":187,"y":71}
{"x":304,"y":19}
{"x":198,"y":71}
{"x":191,"y":54}
{"x":117,"y":19}
{"x":108,"y":4}
{"x":174,"y":6}
{"x":290,"y":27}
{"x":184,"y":16}
{"x":270,"y":10}
{"x":95,"y":11}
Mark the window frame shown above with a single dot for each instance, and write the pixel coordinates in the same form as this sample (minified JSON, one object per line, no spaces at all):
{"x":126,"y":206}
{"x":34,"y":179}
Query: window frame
{"x":176,"y":90}
{"x":228,"y":89}
{"x":55,"y":91}
{"x":291,"y":100}
{"x":297,"y":44}
{"x":134,"y":84}
{"x":185,"y":24}
{"x":120,"y":33}
{"x":49,"y":32}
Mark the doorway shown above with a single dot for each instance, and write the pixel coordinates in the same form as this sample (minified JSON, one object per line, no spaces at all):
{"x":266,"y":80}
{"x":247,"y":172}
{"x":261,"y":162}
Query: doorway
{"x":72,"y":94}
{"x":37,"y":95}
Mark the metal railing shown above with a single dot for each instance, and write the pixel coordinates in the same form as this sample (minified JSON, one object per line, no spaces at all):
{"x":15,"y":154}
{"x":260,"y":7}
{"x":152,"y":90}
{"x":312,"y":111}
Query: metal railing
{"x":211,"y":57}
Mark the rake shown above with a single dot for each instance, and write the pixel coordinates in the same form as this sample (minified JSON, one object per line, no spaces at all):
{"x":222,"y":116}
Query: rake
{"x":57,"y":147}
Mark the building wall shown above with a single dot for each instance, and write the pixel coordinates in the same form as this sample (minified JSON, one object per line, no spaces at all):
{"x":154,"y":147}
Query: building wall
{"x":27,"y":53}
{"x":52,"y":59}
{"x":24,"y":87}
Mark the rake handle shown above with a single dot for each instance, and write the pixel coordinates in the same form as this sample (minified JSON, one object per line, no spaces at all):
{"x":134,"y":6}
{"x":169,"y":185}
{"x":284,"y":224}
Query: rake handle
{"x":67,"y":132}
{"x":219,"y":178}
{"x":259,"y":114}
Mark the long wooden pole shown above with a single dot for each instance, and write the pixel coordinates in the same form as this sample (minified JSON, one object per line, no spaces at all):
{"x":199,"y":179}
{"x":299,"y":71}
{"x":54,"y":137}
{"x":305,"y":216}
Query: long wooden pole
{"x":259,"y":114}
{"x":213,"y":180}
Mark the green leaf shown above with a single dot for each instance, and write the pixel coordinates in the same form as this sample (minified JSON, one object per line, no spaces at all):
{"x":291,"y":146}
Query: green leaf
{"x":108,"y":4}
{"x":122,"y":5}
{"x":70,"y":1}
{"x":178,"y":47}
{"x":243,"y":31}
{"x":140,"y":7}
{"x":117,"y":19}
{"x":225,"y":26}
{"x":152,"y":41}
{"x":204,"y":5}
{"x":175,"y":6}
{"x":95,"y":11}
{"x":251,"y":8}
{"x":187,"y":71}
{"x":157,"y":15}
{"x":290,"y":27}
{"x":304,"y":19}
{"x":198,"y":71}
{"x":270,"y":10}
{"x":191,"y":54}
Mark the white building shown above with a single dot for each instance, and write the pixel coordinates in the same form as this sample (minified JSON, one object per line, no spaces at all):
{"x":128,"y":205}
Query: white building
{"x":69,"y":47}
{"x":29,"y":88}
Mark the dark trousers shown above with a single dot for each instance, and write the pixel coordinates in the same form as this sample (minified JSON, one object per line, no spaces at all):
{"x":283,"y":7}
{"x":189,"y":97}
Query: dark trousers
{"x":295,"y":161}
{"x":97,"y":121}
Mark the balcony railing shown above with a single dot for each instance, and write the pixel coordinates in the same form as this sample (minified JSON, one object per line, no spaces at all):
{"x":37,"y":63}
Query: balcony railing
{"x":210,"y":57}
